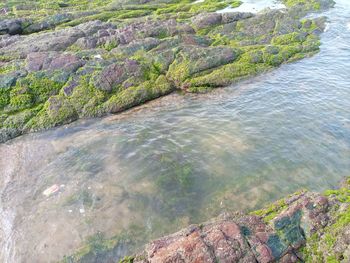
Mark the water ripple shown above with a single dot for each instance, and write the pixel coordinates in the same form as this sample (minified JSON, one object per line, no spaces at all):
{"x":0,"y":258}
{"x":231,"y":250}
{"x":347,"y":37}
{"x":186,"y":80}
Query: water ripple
{"x":240,"y":147}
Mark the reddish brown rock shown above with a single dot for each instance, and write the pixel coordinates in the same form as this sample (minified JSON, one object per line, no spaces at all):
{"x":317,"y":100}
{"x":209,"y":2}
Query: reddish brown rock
{"x":244,"y":238}
{"x":117,"y":73}
{"x":52,"y":61}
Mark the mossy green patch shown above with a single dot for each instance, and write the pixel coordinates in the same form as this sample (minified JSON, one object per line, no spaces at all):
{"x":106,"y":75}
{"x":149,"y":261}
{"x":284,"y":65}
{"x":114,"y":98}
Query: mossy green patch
{"x":85,"y":98}
{"x":271,"y":211}
{"x":127,"y":259}
{"x":18,"y":120}
{"x":321,"y":246}
{"x":310,"y":4}
{"x":4,"y":97}
{"x":40,"y":88}
{"x":227,"y":74}
{"x":288,"y":39}
{"x":20,"y":98}
{"x":186,"y":6}
{"x":56,"y":111}
{"x":133,"y":96}
{"x":213,"y":5}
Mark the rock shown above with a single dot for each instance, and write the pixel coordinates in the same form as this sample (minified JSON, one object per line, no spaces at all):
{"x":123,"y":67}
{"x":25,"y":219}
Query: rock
{"x":136,"y":95}
{"x":235,"y":16}
{"x":49,"y":23}
{"x":141,"y":30}
{"x":205,"y":20}
{"x":289,"y":258}
{"x":191,"y":60}
{"x":8,"y":133}
{"x":4,"y":11}
{"x":53,"y":61}
{"x":86,"y":43}
{"x":313,"y":5}
{"x":325,"y":4}
{"x":6,"y":40}
{"x":137,"y":45}
{"x":342,"y":244}
{"x":221,"y":242}
{"x":36,"y":61}
{"x":51,"y":41}
{"x":69,"y":87}
{"x":11,"y":26}
{"x":9,"y":79}
{"x":242,"y":238}
{"x":116,"y":74}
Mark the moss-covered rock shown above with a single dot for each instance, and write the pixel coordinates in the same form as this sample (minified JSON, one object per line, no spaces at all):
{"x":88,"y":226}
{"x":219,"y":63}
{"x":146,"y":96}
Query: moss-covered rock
{"x":191,"y":61}
{"x":133,"y":96}
{"x":88,"y":60}
{"x":56,"y":111}
{"x":314,"y":5}
{"x":332,"y":243}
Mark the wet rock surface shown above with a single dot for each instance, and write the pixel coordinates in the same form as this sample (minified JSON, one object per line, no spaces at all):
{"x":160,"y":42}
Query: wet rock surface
{"x":101,"y":58}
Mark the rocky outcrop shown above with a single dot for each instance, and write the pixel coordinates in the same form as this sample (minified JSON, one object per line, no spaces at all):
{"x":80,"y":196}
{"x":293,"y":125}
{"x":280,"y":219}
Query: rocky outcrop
{"x":90,"y":60}
{"x":303,"y":227}
{"x":11,"y":27}
{"x":58,"y":40}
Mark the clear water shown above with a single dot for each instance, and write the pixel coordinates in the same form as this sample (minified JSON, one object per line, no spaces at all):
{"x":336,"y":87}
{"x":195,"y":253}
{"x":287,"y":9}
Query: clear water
{"x":180,"y":160}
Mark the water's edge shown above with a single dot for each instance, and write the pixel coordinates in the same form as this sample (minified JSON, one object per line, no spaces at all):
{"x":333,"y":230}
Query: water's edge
{"x":179,"y":160}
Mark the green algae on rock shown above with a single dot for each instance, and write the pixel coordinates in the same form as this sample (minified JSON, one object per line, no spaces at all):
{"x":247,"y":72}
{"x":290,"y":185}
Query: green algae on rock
{"x":61,"y":61}
{"x":309,"y":4}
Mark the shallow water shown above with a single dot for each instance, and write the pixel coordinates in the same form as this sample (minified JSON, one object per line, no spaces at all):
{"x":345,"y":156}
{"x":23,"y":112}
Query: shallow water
{"x":180,"y":160}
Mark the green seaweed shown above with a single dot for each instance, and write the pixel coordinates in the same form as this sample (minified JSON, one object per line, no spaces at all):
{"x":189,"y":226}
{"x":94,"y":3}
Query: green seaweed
{"x":271,"y":211}
{"x":133,"y":96}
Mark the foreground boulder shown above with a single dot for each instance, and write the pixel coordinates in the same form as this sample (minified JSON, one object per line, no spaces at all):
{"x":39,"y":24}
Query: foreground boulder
{"x":303,"y":227}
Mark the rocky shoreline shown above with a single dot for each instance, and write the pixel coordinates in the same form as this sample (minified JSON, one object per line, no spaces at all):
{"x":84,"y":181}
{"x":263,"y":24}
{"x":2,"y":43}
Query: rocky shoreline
{"x":67,"y":60}
{"x":303,"y":227}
